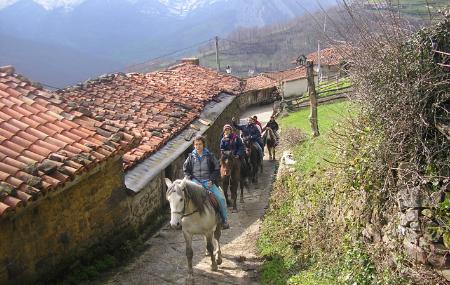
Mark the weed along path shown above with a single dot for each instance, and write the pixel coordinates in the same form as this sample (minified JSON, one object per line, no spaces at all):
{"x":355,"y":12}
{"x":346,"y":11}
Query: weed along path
{"x":164,"y":260}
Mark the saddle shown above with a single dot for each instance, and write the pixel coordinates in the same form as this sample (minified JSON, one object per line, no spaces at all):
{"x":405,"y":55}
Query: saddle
{"x":212,"y":199}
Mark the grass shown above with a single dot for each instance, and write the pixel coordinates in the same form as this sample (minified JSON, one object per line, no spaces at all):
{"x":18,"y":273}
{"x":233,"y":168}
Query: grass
{"x":284,"y":265}
{"x":312,"y":152}
{"x":302,"y":240}
{"x":328,"y":88}
{"x":327,"y":115}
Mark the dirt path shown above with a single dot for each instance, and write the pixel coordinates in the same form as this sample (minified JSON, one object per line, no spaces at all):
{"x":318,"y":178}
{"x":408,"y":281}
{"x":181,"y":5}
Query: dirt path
{"x":164,"y":261}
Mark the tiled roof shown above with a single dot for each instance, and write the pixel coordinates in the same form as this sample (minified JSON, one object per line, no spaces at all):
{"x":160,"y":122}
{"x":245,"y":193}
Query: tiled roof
{"x":156,"y":105}
{"x":330,"y":56}
{"x":288,"y":75}
{"x":42,"y":147}
{"x":259,"y":82}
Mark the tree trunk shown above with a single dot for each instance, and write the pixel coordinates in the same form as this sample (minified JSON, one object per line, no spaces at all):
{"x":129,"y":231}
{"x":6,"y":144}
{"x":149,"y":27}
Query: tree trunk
{"x":312,"y":98}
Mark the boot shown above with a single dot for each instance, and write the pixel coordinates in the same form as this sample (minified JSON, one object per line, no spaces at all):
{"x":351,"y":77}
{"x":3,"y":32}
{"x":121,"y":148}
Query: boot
{"x":225,"y":225}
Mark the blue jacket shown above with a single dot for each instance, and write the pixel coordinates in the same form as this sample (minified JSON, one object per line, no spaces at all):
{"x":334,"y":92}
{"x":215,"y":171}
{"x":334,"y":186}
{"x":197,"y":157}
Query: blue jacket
{"x":234,"y":144}
{"x":251,"y":131}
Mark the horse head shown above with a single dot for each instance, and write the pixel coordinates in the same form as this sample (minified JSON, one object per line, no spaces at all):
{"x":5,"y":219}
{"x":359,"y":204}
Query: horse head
{"x":247,"y":145}
{"x":226,"y":163}
{"x":176,"y":196}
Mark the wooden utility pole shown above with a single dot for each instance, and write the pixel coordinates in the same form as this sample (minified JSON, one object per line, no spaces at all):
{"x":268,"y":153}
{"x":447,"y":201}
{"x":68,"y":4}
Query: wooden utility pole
{"x":312,"y":98}
{"x":217,"y":54}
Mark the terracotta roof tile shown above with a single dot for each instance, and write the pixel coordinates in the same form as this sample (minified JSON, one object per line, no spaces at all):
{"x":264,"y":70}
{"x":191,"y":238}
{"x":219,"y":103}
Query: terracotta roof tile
{"x":287,"y":75}
{"x":41,"y":150}
{"x":260,"y":82}
{"x":155,"y":105}
{"x":331,"y":56}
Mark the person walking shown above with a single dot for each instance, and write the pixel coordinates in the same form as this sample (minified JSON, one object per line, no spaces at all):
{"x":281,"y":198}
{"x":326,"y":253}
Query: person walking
{"x":258,"y":124}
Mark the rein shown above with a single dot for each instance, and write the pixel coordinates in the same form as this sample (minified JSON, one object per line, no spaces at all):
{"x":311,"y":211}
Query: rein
{"x":182,"y":213}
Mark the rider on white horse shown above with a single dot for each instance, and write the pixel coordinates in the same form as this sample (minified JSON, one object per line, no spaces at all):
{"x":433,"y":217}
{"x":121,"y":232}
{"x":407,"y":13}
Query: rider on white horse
{"x":203,"y":168}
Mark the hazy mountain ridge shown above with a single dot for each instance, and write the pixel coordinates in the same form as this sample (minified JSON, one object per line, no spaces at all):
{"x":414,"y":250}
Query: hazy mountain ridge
{"x":129,"y":31}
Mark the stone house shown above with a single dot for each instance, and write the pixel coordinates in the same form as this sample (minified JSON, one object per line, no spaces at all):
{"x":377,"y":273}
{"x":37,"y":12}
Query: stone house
{"x":109,"y":186}
{"x":261,"y":88}
{"x":167,"y":109}
{"x":60,"y":180}
{"x":332,"y":61}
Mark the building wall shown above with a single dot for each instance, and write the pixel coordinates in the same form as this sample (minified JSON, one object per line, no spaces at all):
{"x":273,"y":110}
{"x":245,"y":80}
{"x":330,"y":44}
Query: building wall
{"x":46,"y":236}
{"x":150,"y":203}
{"x":296,"y":87}
{"x":256,"y":97}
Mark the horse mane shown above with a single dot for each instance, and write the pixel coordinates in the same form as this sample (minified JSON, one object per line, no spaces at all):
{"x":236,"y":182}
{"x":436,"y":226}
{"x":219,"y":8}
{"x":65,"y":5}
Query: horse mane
{"x":197,"y":195}
{"x":268,"y":134}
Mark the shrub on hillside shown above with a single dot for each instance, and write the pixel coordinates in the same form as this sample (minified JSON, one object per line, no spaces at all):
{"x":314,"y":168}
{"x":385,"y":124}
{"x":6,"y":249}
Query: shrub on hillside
{"x":400,"y":140}
{"x":292,"y":137}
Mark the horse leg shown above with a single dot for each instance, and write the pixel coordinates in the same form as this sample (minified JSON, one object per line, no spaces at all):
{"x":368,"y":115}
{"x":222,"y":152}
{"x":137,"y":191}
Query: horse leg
{"x":189,"y":255}
{"x":241,"y":184}
{"x":234,"y":186}
{"x":226,"y":184}
{"x":216,"y":239}
{"x":210,"y":247}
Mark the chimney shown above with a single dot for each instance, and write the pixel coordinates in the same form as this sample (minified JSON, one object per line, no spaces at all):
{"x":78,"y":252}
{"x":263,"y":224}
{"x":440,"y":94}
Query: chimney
{"x":191,"y":60}
{"x":8,"y":69}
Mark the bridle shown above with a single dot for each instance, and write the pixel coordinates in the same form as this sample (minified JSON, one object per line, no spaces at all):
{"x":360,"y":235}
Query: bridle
{"x":182,"y":212}
{"x":228,"y":154}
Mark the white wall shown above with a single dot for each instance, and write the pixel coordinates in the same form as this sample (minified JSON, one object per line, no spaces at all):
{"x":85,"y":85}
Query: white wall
{"x":296,"y":87}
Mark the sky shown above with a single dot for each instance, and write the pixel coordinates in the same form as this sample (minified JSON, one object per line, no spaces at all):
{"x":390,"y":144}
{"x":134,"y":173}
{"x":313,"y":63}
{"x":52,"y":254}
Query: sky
{"x":47,"y":4}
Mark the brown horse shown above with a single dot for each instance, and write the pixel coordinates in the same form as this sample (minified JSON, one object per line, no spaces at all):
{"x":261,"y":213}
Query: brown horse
{"x":230,"y":171}
{"x":270,"y":141}
{"x":254,"y":158}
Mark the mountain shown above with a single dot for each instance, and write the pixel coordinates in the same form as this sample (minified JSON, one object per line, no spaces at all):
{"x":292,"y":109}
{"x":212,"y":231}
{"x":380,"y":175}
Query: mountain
{"x":127,"y":31}
{"x":52,"y":64}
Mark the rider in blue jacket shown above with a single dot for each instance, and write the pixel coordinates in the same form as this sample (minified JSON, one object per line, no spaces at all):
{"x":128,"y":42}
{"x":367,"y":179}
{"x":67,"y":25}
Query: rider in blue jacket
{"x":231,"y":142}
{"x":252,"y":132}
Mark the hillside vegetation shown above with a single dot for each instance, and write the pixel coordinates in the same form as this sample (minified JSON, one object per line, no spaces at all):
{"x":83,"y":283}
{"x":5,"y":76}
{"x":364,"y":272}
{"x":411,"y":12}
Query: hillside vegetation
{"x":274,"y":47}
{"x":338,"y":216}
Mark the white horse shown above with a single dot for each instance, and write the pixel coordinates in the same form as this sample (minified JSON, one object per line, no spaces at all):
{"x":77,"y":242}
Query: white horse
{"x":191,"y":210}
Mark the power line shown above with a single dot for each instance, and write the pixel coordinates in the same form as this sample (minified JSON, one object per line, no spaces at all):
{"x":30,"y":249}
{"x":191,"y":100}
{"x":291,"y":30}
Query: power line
{"x":167,"y":54}
{"x":148,"y":61}
{"x":49,"y":86}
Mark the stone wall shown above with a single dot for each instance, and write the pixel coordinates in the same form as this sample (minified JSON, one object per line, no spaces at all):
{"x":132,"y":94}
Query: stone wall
{"x":257,"y":97}
{"x":417,"y":204}
{"x":408,"y":226}
{"x":51,"y":233}
{"x":150,"y":202}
